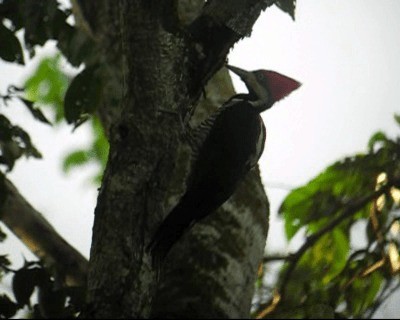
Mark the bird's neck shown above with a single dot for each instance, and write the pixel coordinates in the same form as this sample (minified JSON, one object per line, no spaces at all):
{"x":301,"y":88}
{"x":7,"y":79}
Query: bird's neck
{"x":259,"y":104}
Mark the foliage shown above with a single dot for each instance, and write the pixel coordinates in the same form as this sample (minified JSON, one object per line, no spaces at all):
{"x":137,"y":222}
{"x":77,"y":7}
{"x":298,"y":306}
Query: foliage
{"x":83,"y":95}
{"x":49,"y":86}
{"x":328,"y":270}
{"x":326,"y":277}
{"x":14,"y":142}
{"x":46,"y":88}
{"x":96,"y":152}
{"x":54,"y":300}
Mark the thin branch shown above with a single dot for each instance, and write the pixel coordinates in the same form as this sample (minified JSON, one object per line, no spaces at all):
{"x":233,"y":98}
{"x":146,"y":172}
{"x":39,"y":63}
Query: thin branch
{"x":354,"y":255}
{"x":350,"y":209}
{"x":218,"y":27}
{"x":382,"y":298}
{"x":272,"y":258}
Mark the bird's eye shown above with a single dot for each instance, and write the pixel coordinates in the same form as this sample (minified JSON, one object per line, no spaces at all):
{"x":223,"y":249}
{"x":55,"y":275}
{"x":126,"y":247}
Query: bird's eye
{"x":260,"y":76}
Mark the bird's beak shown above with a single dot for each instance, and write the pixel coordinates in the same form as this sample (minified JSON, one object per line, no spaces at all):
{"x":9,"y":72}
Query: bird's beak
{"x":240,"y":72}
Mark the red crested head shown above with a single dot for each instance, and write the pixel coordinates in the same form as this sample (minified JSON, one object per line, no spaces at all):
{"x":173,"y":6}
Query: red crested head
{"x":279,"y":86}
{"x":265,"y":87}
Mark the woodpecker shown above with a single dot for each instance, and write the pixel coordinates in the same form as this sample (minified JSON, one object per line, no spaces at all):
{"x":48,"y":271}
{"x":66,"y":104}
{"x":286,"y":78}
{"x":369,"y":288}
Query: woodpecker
{"x":226,"y":146}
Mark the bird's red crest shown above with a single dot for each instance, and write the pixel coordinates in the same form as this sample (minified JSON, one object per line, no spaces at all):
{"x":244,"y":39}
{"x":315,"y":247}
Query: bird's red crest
{"x":279,"y":85}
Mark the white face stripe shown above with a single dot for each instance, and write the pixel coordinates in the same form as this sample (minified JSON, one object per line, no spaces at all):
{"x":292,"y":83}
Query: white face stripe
{"x":258,"y":88}
{"x":261,"y":139}
{"x":259,"y":146}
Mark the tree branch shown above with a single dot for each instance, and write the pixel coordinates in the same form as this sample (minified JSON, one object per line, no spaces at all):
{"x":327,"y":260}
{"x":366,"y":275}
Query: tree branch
{"x":273,"y":258}
{"x":39,"y":236}
{"x":349,"y":210}
{"x":218,"y":27}
{"x":385,"y":293}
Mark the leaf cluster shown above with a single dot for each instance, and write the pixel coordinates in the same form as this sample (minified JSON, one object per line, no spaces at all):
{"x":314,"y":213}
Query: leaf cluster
{"x":15,"y":141}
{"x":74,"y":100}
{"x":96,"y":153}
{"x":326,"y":277}
{"x":349,"y":216}
{"x":54,"y":299}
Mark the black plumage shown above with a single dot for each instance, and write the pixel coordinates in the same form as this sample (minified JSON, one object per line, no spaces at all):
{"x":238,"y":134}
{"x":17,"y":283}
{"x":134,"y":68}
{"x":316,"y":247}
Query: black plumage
{"x":227,"y":146}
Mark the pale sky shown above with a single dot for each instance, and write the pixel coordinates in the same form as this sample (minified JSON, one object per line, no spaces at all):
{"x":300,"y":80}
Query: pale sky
{"x":345,"y":53}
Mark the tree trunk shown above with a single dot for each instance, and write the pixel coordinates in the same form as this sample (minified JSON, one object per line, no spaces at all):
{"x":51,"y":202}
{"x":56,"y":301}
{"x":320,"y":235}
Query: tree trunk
{"x":162,"y":68}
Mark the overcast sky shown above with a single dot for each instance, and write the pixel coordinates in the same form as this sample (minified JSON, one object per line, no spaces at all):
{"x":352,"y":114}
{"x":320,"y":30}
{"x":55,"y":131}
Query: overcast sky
{"x":345,"y":53}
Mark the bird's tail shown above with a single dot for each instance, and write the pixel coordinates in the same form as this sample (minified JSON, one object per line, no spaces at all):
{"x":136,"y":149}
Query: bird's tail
{"x":170,"y":231}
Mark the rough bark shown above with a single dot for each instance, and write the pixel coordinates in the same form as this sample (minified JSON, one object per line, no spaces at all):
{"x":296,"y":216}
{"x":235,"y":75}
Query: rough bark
{"x":162,"y":68}
{"x":158,"y":62}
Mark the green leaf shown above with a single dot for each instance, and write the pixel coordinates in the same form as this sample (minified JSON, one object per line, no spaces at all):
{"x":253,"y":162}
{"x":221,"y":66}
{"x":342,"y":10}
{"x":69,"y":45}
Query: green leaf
{"x":23,"y":284}
{"x":362,"y":292}
{"x":76,"y":46}
{"x":37,"y":114}
{"x":3,"y":236}
{"x":75,"y":159}
{"x":319,"y":311}
{"x":36,"y":25}
{"x":397,"y":118}
{"x":83,"y":95}
{"x":287,"y":6}
{"x":43,"y":21}
{"x":96,"y":180}
{"x":10,"y":150}
{"x":377,"y":137}
{"x":97,"y":152}
{"x":4,"y":262}
{"x":341,"y":248}
{"x":7,"y":307}
{"x":10,"y":49}
{"x":375,"y":283}
{"x":328,"y":256}
{"x":25,"y":142}
{"x":14,"y":142}
{"x":324,"y":195}
{"x":12,"y":11}
{"x":47,"y":85}
{"x":295,"y":208}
